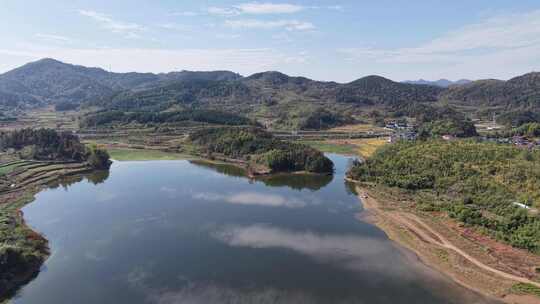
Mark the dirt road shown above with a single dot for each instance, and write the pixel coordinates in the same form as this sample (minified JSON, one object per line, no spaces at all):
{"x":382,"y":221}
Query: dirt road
{"x":424,"y":232}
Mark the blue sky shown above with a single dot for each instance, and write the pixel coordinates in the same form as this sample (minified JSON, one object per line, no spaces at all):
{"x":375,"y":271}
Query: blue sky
{"x":324,"y":40}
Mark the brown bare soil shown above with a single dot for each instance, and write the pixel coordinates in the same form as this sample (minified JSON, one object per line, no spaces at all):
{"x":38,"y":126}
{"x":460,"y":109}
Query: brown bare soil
{"x":468,"y":257}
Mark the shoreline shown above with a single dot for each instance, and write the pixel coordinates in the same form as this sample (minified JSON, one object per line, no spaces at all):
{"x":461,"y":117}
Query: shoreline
{"x":263,"y":173}
{"x":440,"y":252}
{"x":11,"y":203}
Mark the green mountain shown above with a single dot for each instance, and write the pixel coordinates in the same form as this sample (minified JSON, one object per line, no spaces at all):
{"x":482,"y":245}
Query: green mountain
{"x":267,"y":96}
{"x":520,"y":92}
{"x":49,"y":81}
{"x":274,"y":88}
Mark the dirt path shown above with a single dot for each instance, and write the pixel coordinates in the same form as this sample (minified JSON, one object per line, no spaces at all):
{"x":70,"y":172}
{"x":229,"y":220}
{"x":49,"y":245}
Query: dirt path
{"x":424,"y":232}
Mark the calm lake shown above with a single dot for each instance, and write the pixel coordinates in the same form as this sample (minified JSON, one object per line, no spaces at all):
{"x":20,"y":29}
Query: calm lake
{"x":181,"y":232}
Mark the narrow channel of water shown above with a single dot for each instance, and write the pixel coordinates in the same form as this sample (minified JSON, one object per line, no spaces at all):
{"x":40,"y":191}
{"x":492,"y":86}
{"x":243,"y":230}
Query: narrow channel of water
{"x":179,"y":232}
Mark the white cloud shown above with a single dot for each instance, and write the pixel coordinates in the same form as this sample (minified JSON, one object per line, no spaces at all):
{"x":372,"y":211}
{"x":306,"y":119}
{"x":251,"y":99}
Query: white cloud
{"x":290,"y":25}
{"x":258,"y":8}
{"x":266,"y":8}
{"x":52,"y":37}
{"x":253,"y":198}
{"x":512,"y":40}
{"x":129,"y":29}
{"x":220,"y":11}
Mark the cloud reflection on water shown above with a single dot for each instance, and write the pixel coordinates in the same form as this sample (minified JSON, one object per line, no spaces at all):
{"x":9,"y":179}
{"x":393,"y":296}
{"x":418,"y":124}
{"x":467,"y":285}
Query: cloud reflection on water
{"x":252,"y":198}
{"x":214,"y":294}
{"x":352,"y":252}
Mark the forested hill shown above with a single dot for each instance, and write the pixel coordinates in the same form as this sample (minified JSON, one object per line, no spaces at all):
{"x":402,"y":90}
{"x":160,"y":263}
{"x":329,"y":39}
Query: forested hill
{"x":477,"y":183}
{"x":519,"y":92}
{"x":271,"y":88}
{"x":50,"y":81}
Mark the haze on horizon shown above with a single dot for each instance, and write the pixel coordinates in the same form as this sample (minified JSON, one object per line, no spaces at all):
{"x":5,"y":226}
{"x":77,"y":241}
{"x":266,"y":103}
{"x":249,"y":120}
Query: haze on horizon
{"x":339,"y":40}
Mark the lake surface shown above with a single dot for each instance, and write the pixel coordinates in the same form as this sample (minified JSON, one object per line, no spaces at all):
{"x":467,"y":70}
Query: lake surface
{"x":180,"y":232}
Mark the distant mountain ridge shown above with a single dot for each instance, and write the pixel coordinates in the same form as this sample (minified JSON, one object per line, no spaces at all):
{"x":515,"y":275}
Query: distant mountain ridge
{"x":273,"y":95}
{"x":521,"y":92}
{"x":274,"y":89}
{"x":443,"y":83}
{"x":50,"y":81}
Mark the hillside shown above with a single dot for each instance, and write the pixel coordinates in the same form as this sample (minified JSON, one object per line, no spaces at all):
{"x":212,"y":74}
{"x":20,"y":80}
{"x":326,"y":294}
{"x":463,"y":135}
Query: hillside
{"x":519,"y":92}
{"x":50,"y":81}
{"x":270,"y":97}
{"x":274,"y":89}
{"x":379,"y":90}
{"x":476,"y":183}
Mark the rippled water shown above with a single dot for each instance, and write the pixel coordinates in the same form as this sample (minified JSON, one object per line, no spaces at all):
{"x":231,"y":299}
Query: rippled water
{"x":181,"y":232}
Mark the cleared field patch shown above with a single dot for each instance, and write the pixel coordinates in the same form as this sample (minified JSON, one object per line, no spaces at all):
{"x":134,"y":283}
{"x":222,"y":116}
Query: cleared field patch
{"x":144,"y":154}
{"x":332,"y":147}
{"x":368,"y":146}
{"x":358,"y":128}
{"x":8,"y":168}
{"x":364,"y":147}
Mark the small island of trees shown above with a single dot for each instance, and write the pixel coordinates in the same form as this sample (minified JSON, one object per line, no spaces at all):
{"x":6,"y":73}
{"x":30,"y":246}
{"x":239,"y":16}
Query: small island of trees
{"x":260,"y":148}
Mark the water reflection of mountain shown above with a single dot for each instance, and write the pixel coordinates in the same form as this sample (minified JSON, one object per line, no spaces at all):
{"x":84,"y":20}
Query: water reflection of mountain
{"x":295,"y":181}
{"x":95,"y":177}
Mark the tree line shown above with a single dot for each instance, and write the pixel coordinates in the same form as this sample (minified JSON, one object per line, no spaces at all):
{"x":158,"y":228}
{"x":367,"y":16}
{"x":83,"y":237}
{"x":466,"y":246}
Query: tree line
{"x":205,"y":116}
{"x":253,"y":144}
{"x":476,"y":183}
{"x":48,"y":144}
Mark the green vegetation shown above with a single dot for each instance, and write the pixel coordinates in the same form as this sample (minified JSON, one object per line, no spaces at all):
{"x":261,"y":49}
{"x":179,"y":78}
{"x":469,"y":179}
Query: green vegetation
{"x":97,"y":158}
{"x":260,"y":148}
{"x":7,"y":168}
{"x":518,"y":118}
{"x":476,"y":183}
{"x":47,"y":144}
{"x":144,"y":154}
{"x":206,"y":116}
{"x":529,"y":130}
{"x":434,"y":122}
{"x":315,"y":119}
{"x":525,"y":288}
{"x":331,"y":147}
{"x":21,"y":250}
{"x":521,"y":92}
{"x":65,"y":106}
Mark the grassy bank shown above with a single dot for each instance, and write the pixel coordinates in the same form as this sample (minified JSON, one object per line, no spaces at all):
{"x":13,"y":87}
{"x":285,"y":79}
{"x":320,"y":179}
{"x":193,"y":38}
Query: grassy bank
{"x":364,"y":147}
{"x":145,"y":154}
{"x":331,"y":147}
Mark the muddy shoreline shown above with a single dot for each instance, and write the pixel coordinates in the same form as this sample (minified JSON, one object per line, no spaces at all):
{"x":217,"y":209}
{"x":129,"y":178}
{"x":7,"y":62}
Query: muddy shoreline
{"x":439,"y":252}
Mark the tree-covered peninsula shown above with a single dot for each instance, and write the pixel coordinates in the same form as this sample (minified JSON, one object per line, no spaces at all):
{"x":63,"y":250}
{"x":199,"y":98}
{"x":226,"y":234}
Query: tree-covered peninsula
{"x":31,"y":159}
{"x":259,"y":151}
